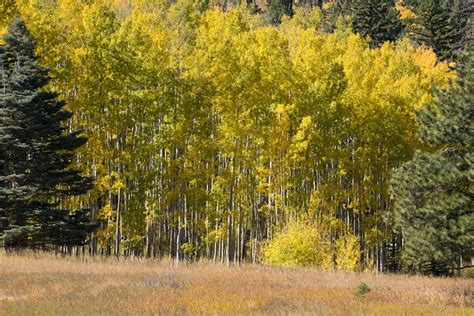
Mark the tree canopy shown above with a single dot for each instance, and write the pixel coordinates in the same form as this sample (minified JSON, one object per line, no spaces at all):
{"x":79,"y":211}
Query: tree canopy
{"x":210,"y":129}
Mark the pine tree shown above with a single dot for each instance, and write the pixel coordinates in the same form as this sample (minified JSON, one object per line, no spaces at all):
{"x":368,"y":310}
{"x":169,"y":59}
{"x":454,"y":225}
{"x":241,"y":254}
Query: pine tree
{"x":36,"y":152}
{"x":433,"y":192}
{"x":276,"y":9}
{"x":334,"y":11}
{"x":440,"y":24}
{"x":14,"y":189}
{"x":377,"y":19}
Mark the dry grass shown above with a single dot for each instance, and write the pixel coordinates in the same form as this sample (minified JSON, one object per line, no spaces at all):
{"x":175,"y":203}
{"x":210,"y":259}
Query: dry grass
{"x":48,"y":286}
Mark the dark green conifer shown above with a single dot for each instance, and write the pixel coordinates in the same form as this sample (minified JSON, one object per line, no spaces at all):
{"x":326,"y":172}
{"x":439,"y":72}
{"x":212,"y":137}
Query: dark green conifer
{"x":276,"y":9}
{"x":36,"y":152}
{"x":434,"y":192}
{"x":377,"y":19}
{"x":440,"y":24}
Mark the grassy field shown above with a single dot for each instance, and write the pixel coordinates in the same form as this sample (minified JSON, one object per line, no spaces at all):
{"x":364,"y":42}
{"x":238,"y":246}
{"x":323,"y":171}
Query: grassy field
{"x":48,"y":286}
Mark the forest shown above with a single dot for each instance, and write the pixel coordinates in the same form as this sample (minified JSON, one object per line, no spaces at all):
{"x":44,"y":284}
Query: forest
{"x":333,"y":133}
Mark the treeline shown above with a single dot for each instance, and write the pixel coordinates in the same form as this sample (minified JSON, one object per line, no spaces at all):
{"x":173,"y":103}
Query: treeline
{"x":211,"y":127}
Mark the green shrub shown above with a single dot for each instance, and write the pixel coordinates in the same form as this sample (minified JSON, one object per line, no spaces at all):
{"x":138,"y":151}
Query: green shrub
{"x":363,"y":289}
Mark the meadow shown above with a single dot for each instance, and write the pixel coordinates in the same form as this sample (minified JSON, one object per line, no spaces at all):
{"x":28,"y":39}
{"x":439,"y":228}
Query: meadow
{"x":45,"y":285}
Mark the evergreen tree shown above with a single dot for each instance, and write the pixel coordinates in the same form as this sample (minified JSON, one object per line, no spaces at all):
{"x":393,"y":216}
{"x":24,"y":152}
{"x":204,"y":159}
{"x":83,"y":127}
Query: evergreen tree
{"x":433,"y":192}
{"x":36,"y":152}
{"x":276,"y":9}
{"x":378,"y":19}
{"x":14,"y":189}
{"x":333,"y":11}
{"x":440,"y":24}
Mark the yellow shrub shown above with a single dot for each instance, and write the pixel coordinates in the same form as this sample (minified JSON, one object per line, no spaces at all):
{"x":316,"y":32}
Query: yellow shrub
{"x":298,"y":245}
{"x":348,"y":253}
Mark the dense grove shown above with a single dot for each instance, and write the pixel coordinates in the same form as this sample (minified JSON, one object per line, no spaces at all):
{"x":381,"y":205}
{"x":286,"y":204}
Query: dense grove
{"x":211,"y":132}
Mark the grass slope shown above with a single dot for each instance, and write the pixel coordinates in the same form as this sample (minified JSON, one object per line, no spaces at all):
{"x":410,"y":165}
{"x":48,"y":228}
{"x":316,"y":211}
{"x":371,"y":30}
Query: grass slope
{"x":48,"y":286}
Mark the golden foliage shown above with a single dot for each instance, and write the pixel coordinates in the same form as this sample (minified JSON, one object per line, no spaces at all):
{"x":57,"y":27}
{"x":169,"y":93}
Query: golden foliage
{"x":298,"y":245}
{"x":199,"y":117}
